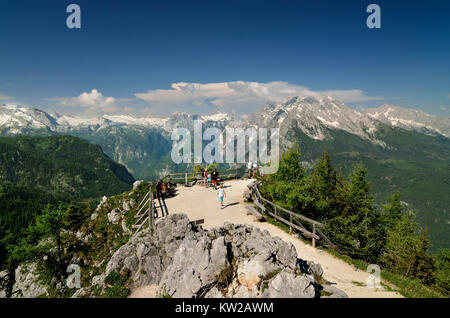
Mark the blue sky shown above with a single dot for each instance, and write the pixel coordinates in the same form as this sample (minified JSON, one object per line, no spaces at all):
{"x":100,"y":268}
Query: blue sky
{"x":130,"y":57}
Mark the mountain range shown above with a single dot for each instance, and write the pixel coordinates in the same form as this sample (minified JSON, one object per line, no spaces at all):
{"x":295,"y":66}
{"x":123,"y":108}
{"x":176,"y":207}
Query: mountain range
{"x":403,"y":149}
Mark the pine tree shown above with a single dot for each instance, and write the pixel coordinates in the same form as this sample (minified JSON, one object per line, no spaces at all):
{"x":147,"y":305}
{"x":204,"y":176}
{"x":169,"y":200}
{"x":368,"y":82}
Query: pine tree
{"x":356,"y":229}
{"x":74,"y":217}
{"x":442,"y":276}
{"x":392,"y":211}
{"x":323,"y":188}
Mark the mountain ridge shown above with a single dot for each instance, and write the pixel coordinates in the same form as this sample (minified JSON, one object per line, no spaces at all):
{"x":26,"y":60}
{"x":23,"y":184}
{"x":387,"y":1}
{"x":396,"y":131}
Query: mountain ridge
{"x":312,"y":112}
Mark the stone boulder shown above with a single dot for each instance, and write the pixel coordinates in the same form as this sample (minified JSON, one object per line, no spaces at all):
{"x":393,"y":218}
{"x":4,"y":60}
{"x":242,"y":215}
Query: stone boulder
{"x":147,"y":255}
{"x":236,"y":261}
{"x":137,"y":183}
{"x":3,"y":282}
{"x":27,"y":284}
{"x":99,"y":206}
{"x":114,"y":216}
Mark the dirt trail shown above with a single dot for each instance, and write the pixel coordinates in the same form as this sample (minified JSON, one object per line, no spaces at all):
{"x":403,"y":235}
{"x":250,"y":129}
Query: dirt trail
{"x":201,"y":203}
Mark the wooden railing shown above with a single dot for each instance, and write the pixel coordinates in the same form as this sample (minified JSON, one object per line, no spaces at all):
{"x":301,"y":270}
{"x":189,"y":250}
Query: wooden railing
{"x":189,"y":176}
{"x":145,"y":211}
{"x":295,"y":219}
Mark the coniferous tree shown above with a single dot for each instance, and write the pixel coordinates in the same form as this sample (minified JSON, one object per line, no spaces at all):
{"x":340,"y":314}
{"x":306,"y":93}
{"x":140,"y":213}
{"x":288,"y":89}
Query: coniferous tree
{"x":323,"y":188}
{"x":357,"y":229}
{"x":392,"y":211}
{"x":442,"y":276}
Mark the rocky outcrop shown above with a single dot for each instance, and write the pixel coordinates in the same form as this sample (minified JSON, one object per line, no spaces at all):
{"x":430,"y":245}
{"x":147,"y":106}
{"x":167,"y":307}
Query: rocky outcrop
{"x":147,"y":255}
{"x":103,"y":201}
{"x":114,"y":216}
{"x":137,"y":183}
{"x":236,"y":261}
{"x":231,"y":261}
{"x":3,"y":282}
{"x":27,"y":284}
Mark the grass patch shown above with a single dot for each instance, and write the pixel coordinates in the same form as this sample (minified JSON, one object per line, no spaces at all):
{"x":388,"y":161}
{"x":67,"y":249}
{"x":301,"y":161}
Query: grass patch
{"x":271,"y":275}
{"x":325,"y":293}
{"x":116,"y":288}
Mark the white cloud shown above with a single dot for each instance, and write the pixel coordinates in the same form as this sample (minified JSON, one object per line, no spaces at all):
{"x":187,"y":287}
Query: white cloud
{"x":94,"y":98}
{"x":6,"y":97}
{"x":92,"y":103}
{"x":239,"y":95}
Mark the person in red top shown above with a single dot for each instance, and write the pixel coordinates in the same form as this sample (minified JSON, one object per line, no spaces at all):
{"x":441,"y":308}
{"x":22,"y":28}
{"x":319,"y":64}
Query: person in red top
{"x":214,"y":177}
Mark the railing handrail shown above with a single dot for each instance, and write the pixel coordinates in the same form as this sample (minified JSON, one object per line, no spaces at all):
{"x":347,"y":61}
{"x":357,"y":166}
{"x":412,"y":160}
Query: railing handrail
{"x":286,"y":210}
{"x":293,"y":215}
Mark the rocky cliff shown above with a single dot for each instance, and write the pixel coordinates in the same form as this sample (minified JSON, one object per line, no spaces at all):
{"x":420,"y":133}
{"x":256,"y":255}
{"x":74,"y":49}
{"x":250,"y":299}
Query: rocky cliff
{"x":231,"y":261}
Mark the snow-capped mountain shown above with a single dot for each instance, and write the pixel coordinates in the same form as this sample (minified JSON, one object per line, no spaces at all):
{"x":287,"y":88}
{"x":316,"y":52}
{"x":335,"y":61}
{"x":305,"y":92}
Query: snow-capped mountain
{"x":315,"y":116}
{"x":410,"y":119}
{"x":16,"y":118}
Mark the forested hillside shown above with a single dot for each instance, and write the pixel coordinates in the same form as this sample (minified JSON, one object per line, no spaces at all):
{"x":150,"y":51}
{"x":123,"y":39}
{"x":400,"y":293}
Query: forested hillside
{"x":56,"y":170}
{"x":61,"y":164}
{"x":388,"y":235}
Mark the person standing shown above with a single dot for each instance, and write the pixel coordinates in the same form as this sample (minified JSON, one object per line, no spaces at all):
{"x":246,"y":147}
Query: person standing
{"x":214,"y":178}
{"x":249,"y":167}
{"x":221,"y":195}
{"x":161,"y":199}
{"x":205,"y":177}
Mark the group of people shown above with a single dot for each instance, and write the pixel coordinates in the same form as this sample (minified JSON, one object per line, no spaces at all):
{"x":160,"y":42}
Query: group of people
{"x":211,"y":178}
{"x":253,"y":166}
{"x":164,"y":190}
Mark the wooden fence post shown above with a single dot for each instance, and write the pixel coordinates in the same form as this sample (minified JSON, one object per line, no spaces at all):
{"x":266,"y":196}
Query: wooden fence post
{"x":314,"y":233}
{"x":290,"y":225}
{"x":150,"y":210}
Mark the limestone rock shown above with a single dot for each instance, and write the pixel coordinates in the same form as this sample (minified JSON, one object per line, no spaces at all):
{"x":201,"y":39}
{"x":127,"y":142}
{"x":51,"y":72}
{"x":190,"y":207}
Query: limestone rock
{"x":125,"y":229}
{"x":128,"y":205}
{"x":3,"y":282}
{"x":137,"y":183}
{"x":27,"y":283}
{"x":114,"y":216}
{"x":236,"y":261}
{"x":335,"y":292}
{"x":247,"y":196}
{"x":99,"y":206}
{"x":229,"y":261}
{"x":288,"y":285}
{"x":147,"y":255}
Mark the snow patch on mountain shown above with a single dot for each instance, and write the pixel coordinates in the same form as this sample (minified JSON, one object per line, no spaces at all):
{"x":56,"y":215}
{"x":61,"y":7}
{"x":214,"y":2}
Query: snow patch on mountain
{"x":410,"y":119}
